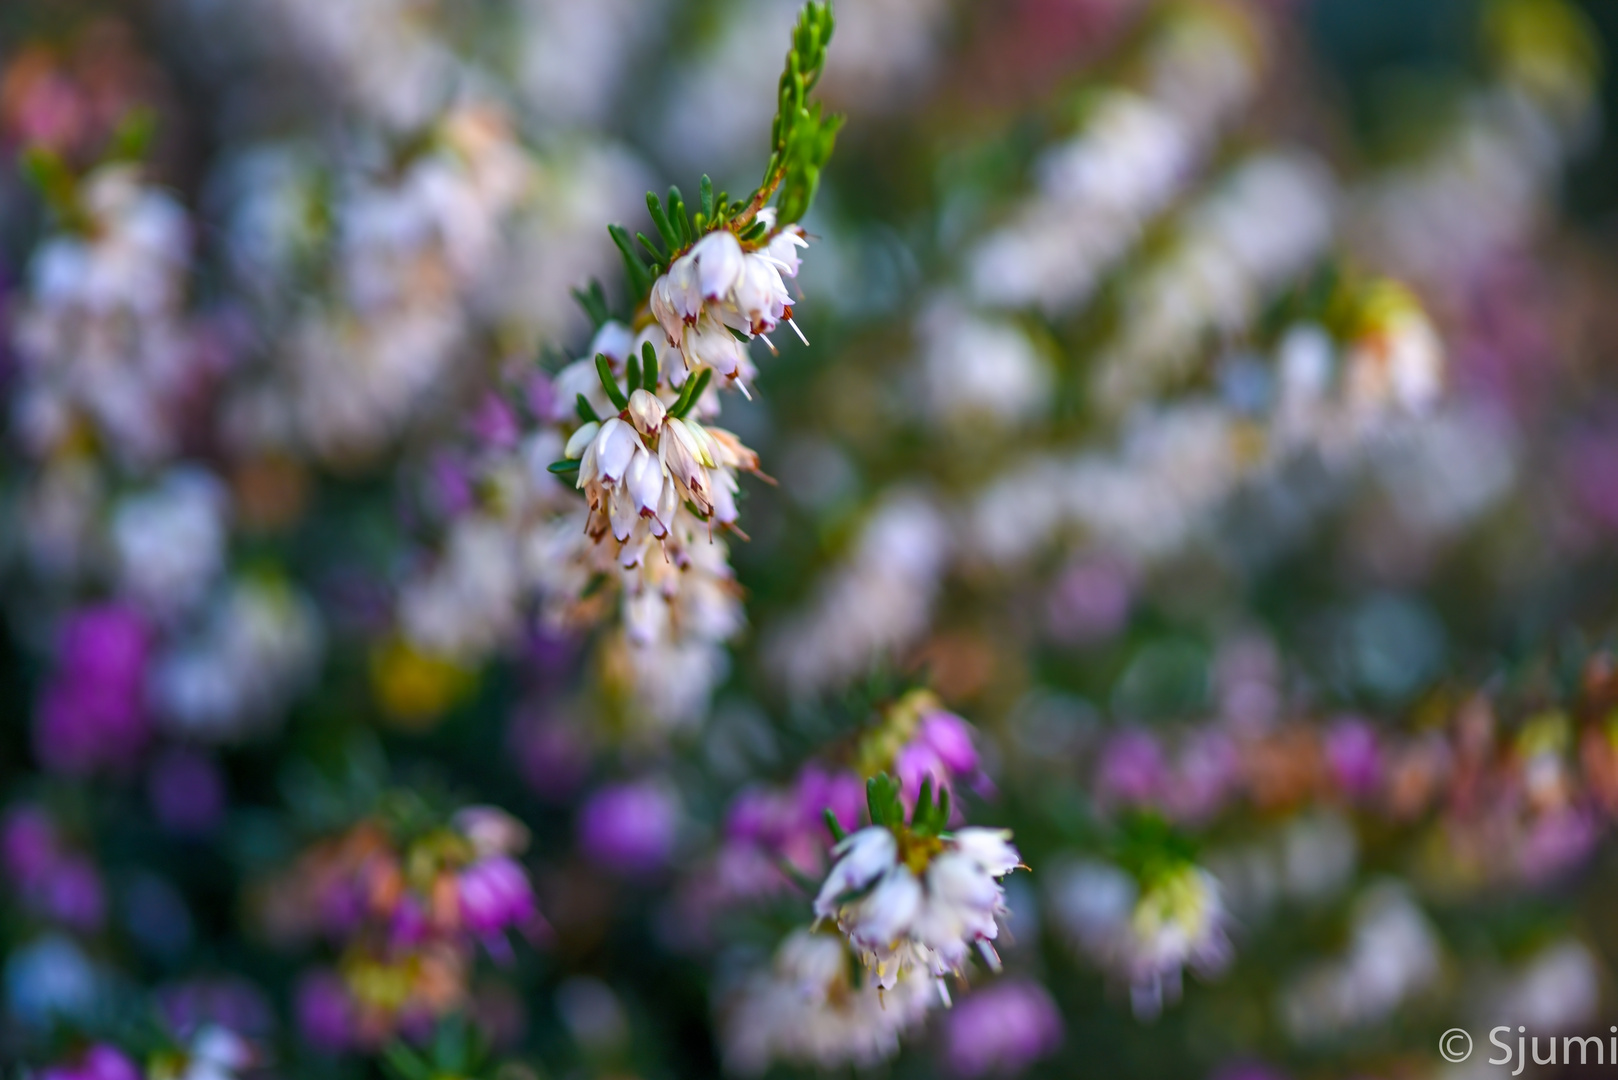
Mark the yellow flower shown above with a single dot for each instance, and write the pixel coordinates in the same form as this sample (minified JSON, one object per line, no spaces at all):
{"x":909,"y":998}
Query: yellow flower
{"x":416,"y":688}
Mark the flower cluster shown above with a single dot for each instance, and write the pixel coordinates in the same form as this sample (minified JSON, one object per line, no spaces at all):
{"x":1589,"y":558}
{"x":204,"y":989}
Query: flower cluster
{"x":212,"y":1053}
{"x":1218,"y":456}
{"x":105,"y":349}
{"x":923,"y":743}
{"x":632,"y":426}
{"x":810,"y":1007}
{"x":768,"y":828}
{"x":915,"y":894}
{"x":49,"y":879}
{"x":1139,"y":150}
{"x":406,"y":918}
{"x":1148,"y":932}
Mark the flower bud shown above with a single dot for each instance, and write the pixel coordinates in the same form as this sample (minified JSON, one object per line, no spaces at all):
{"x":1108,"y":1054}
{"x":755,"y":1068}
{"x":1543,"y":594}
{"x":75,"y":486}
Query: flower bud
{"x":580,"y":440}
{"x":646,"y":412}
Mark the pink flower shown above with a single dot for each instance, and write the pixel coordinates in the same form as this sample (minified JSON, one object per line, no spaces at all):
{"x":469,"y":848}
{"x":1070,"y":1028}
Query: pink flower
{"x":630,"y":828}
{"x":1001,"y":1029}
{"x":1131,"y":770}
{"x":1353,"y":758}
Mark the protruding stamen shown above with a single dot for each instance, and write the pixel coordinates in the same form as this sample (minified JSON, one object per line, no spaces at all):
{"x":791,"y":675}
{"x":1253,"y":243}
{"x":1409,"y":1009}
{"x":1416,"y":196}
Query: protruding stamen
{"x":794,"y":324}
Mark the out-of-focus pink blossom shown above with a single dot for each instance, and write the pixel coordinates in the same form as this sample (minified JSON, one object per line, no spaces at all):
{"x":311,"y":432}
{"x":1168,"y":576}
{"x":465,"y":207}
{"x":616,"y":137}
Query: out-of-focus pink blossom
{"x":224,"y":1002}
{"x":1590,"y":473}
{"x":1353,"y":758}
{"x":1205,"y":775}
{"x":495,"y":895}
{"x":28,"y":843}
{"x":1132,"y":770}
{"x":1090,"y":602}
{"x":1001,"y":1030}
{"x":494,"y":424}
{"x":1557,"y":841}
{"x":71,"y":893}
{"x":941,"y":750}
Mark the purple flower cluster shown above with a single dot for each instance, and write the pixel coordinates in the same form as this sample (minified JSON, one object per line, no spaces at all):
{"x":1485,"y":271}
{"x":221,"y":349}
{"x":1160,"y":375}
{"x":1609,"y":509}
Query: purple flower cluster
{"x":941,"y":750}
{"x":51,"y":881}
{"x":1134,"y":771}
{"x":92,"y":714}
{"x":767,"y":826}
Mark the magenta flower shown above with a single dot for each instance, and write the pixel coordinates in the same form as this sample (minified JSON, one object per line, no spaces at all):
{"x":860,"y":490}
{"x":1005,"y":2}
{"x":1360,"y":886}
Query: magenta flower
{"x":495,"y":895}
{"x":1353,"y":759}
{"x":92,"y":714}
{"x":630,"y":828}
{"x":942,"y":750}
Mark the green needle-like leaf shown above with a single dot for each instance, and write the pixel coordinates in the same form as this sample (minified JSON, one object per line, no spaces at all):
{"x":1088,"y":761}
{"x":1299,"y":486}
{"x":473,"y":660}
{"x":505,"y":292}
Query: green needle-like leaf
{"x":671,"y":237}
{"x":692,"y":392}
{"x":604,"y":370}
{"x":649,"y":372}
{"x":834,"y":826}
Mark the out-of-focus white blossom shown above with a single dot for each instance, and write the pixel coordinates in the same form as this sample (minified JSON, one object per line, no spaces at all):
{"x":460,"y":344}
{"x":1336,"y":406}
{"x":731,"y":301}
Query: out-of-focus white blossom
{"x":467,"y":604}
{"x":1440,"y":220}
{"x":410,"y":252}
{"x":169,"y":542}
{"x":573,"y":59}
{"x":880,"y":599}
{"x":1135,"y":155}
{"x":1146,"y":936}
{"x":807,"y":1009}
{"x":100,"y":332}
{"x":382,"y":57}
{"x":213,"y":1053}
{"x":1392,"y":955}
{"x":1556,"y":989}
{"x":1261,"y":226}
{"x":235,"y":674}
{"x":976,"y":369}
